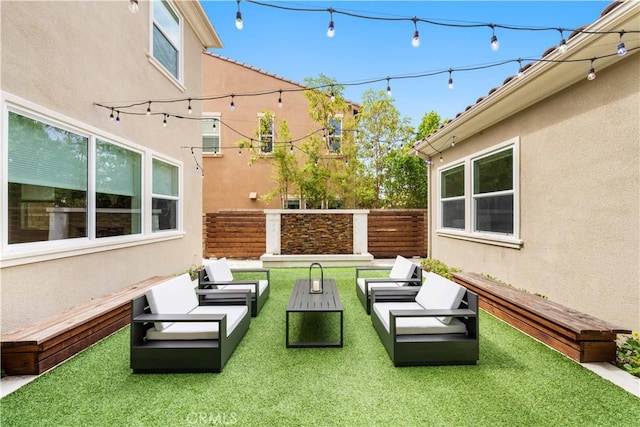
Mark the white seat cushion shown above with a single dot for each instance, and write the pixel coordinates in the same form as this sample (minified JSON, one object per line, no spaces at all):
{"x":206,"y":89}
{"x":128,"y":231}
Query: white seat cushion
{"x":175,"y":296}
{"x":415,"y":325}
{"x":438,"y":292}
{"x":219,"y":270}
{"x":201,"y":330}
{"x":402,"y":269}
{"x":361,"y":280}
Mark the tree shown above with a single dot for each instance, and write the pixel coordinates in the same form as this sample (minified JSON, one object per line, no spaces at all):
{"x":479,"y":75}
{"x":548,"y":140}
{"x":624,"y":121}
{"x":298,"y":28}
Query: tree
{"x":430,"y":122}
{"x":406,"y":180}
{"x":381,"y":130}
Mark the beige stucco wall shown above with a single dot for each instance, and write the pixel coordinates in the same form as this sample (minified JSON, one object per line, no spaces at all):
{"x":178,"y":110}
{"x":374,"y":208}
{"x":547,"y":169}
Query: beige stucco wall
{"x":228,"y":178}
{"x":64,"y":57}
{"x":579,"y":198}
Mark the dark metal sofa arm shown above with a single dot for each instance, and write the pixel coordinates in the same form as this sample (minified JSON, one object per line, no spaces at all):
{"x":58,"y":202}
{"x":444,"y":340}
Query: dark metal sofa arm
{"x":403,"y":294}
{"x":147,"y":317}
{"x":252,"y":270}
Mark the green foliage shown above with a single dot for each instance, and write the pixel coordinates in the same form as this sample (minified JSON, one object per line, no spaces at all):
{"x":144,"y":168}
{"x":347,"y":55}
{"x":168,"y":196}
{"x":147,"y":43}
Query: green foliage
{"x":628,"y":354}
{"x":406,"y":185}
{"x":381,"y":131}
{"x":430,"y":122}
{"x":438,"y":267}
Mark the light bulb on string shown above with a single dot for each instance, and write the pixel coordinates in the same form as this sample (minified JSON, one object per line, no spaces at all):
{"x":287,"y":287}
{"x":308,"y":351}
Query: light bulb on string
{"x":495,"y":44}
{"x":239,"y":23}
{"x":117,"y":117}
{"x":331,"y":30}
{"x":562,"y":47}
{"x":164,"y":121}
{"x":332,"y":96}
{"x":450,"y":79}
{"x":520,"y":71}
{"x":280,"y":99}
{"x":441,"y":159}
{"x":291,"y":148}
{"x":232,"y":105}
{"x":592,"y":71}
{"x":133,"y":6}
{"x":149,"y":109}
{"x":388,"y":87}
{"x":111,"y":117}
{"x":189,"y":110}
{"x":622,"y":49}
{"x":415,"y":41}
{"x":453,"y":141}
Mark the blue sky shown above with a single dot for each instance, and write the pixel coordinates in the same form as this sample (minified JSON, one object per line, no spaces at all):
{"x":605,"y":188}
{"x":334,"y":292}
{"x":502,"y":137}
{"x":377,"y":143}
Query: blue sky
{"x":294,"y":44}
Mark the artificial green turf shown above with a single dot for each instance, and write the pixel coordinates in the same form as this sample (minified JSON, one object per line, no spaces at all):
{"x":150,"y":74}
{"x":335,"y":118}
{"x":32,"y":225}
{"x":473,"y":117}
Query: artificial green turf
{"x":517,"y":382}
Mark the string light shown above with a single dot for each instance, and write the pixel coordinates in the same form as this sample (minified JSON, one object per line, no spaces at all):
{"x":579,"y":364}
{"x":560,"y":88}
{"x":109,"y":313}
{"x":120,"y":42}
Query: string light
{"x":331,"y":30}
{"x":495,"y":44}
{"x":123,"y":107}
{"x":450,"y":79}
{"x":388,"y":88}
{"x":239,"y":23}
{"x":622,"y":50}
{"x":232,"y":105}
{"x":592,"y":71}
{"x":520,"y":71}
{"x":415,"y":41}
{"x":133,"y":6}
{"x":453,"y":141}
{"x":118,"y":117}
{"x":280,"y":99}
{"x":562,"y":47}
{"x":189,"y":110}
{"x":332,"y":96}
{"x":164,"y":121}
{"x":111,"y":115}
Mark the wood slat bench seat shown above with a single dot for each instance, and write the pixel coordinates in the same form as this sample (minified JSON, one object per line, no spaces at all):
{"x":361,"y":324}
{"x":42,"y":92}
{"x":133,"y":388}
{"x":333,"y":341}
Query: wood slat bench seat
{"x":38,"y":347}
{"x":577,"y":335}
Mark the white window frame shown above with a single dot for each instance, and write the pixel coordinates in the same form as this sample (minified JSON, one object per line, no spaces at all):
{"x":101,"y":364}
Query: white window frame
{"x":261,"y":116}
{"x":468,"y":233}
{"x":177,"y":199}
{"x":176,"y":80}
{"x":213,"y":116}
{"x":25,"y":253}
{"x":339,"y":118}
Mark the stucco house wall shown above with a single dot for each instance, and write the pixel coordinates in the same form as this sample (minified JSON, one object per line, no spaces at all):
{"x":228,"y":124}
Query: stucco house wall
{"x":578,"y":174}
{"x":58,"y":60}
{"x":228,"y":179}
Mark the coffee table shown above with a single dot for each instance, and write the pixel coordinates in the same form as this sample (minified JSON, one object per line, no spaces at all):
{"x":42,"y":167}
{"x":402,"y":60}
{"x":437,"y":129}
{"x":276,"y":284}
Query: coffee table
{"x":302,"y":301}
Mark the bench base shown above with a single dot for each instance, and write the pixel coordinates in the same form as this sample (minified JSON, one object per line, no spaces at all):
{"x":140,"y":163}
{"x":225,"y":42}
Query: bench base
{"x":39,"y":347}
{"x":577,"y":335}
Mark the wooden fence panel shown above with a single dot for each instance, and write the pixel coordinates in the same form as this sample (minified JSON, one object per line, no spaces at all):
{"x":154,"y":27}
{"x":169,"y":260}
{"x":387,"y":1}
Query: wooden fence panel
{"x":235,"y":234}
{"x":242,"y":233}
{"x":394,"y":232}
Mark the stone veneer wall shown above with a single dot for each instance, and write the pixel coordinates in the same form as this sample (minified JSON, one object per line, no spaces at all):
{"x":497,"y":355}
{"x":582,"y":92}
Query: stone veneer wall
{"x":303,"y":234}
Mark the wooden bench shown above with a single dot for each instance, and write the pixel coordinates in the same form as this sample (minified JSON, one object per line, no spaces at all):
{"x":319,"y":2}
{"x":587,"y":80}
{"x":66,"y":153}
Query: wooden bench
{"x":38,"y":347}
{"x":577,"y":335}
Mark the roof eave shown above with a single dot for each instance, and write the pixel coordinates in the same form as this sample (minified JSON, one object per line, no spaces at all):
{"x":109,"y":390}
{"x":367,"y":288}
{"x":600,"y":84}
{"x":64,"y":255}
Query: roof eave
{"x":199,"y":21}
{"x":540,"y":81}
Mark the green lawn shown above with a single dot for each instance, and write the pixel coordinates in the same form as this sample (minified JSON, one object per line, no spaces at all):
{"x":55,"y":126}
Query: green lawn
{"x":517,"y":382}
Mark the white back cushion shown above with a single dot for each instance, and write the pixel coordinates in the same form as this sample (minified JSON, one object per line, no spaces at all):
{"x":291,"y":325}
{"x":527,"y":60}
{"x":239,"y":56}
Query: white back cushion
{"x":175,"y":296}
{"x":402,"y":268}
{"x":438,"y":292}
{"x":219,"y":271}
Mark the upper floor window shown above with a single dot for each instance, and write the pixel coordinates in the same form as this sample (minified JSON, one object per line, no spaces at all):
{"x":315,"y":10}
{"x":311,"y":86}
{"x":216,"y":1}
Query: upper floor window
{"x":479,"y":195}
{"x":167,"y":37}
{"x":334,"y":137}
{"x":266,"y":132}
{"x":211,"y":134}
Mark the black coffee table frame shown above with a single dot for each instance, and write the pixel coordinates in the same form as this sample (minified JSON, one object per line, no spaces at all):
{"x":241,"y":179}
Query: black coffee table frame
{"x":302,"y":301}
